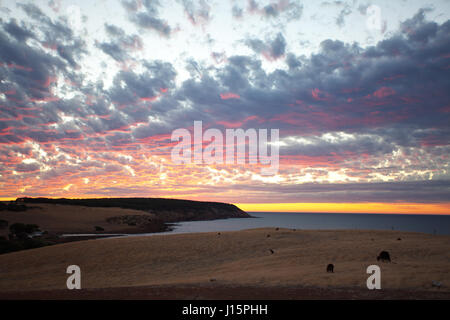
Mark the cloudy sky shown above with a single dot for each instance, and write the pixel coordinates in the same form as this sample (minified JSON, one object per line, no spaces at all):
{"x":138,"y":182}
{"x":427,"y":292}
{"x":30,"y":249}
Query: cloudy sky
{"x":90,"y":92}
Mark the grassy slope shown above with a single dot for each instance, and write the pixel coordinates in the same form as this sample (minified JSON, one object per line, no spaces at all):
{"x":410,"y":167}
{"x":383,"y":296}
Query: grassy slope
{"x":68,"y":219}
{"x":235,"y":258}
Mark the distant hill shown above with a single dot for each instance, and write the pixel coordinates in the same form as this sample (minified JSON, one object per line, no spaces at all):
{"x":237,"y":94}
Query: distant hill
{"x":53,"y":218}
{"x":169,"y":210}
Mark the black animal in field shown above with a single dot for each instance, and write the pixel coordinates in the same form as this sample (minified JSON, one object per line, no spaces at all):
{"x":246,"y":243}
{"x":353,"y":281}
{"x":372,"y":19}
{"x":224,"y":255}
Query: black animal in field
{"x":384,"y":256}
{"x":330,"y":268}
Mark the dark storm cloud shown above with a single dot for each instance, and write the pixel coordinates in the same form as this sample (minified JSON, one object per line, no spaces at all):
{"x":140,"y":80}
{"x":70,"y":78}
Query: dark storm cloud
{"x":149,"y":18}
{"x":408,"y":191}
{"x":114,"y":50}
{"x":272,"y":48}
{"x":159,"y":75}
{"x":235,"y":75}
{"x":292,"y":61}
{"x":336,"y":145}
{"x":21,"y":33}
{"x":114,"y":31}
{"x":121,"y":45}
{"x":389,"y":94}
{"x":287,"y":10}
{"x":28,"y":69}
{"x":57,"y":34}
{"x":146,"y":21}
{"x":31,"y":72}
{"x":33,"y":11}
{"x":341,"y":88}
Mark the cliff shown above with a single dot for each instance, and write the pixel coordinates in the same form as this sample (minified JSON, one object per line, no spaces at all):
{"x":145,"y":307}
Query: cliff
{"x":168,"y":210}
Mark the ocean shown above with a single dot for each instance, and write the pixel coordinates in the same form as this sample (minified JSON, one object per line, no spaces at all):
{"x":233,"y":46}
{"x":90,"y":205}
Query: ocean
{"x":432,"y":224}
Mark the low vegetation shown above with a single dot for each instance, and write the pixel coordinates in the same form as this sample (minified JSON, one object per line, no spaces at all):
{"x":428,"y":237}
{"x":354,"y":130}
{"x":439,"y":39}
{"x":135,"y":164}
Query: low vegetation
{"x":3,"y":224}
{"x":21,"y":238}
{"x":12,"y":207}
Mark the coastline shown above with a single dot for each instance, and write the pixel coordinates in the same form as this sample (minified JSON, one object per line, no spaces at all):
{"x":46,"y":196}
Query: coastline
{"x":85,"y":219}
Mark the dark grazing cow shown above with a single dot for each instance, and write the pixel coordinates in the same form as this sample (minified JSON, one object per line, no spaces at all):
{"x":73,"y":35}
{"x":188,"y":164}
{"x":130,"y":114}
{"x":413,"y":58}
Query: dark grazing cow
{"x":384,"y":256}
{"x":330,"y":268}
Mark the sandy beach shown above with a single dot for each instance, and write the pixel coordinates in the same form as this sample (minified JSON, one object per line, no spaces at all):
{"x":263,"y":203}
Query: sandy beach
{"x":212,"y":264}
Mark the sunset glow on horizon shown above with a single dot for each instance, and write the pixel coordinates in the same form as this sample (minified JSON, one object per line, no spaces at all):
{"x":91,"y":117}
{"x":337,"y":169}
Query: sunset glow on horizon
{"x":376,"y":208}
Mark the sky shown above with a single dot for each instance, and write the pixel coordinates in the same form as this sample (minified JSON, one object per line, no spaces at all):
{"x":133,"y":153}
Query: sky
{"x":91,"y":91}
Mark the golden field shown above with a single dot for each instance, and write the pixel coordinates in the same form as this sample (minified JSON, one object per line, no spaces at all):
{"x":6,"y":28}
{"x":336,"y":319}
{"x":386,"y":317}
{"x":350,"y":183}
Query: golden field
{"x":240,"y":258}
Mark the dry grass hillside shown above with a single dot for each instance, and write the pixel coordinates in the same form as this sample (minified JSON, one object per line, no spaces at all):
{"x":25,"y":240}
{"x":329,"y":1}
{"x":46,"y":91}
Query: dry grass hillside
{"x":240,"y":258}
{"x":58,"y":218}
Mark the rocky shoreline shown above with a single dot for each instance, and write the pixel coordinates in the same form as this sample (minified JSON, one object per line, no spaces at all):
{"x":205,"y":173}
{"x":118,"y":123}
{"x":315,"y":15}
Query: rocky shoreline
{"x":85,"y":219}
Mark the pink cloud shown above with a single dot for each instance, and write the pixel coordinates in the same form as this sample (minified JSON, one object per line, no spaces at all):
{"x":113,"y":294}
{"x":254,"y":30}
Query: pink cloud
{"x":229,"y":95}
{"x":320,"y":95}
{"x":384,"y":92}
{"x":238,"y":124}
{"x":393,"y":77}
{"x":445,"y":109}
{"x":229,"y":124}
{"x":149,"y":99}
{"x":16,"y":66}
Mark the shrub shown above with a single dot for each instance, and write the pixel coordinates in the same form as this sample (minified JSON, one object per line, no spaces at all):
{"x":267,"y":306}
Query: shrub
{"x":3,"y":224}
{"x":12,"y":207}
{"x":20,"y":229}
{"x":16,"y":207}
{"x":21,"y":244}
{"x":9,"y":246}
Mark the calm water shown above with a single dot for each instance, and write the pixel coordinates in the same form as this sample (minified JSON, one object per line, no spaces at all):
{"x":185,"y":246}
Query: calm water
{"x":434,"y":224}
